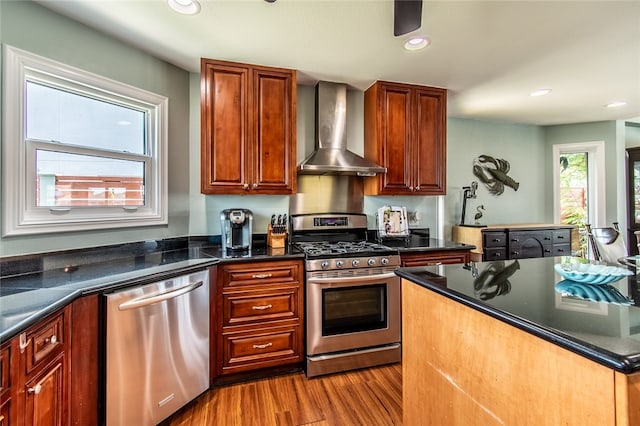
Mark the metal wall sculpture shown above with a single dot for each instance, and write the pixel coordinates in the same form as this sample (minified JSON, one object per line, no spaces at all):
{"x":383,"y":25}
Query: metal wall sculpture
{"x":493,"y":172}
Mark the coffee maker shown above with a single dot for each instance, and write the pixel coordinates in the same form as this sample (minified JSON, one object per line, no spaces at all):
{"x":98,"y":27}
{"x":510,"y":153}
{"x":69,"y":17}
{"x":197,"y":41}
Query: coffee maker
{"x":236,"y":227}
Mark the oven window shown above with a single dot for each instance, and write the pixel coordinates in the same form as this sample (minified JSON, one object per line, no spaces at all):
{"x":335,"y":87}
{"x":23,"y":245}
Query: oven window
{"x":354,"y":309}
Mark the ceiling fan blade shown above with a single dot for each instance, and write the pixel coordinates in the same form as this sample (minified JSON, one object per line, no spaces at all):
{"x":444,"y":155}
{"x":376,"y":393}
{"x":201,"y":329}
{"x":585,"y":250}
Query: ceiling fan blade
{"x":407,"y":16}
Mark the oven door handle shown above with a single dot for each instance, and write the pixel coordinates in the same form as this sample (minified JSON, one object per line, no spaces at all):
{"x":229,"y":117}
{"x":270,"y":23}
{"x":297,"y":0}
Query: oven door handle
{"x":362,"y":280}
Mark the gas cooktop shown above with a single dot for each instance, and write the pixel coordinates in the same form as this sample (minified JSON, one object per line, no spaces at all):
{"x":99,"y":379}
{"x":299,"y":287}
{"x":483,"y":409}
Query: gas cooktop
{"x":343,"y":248}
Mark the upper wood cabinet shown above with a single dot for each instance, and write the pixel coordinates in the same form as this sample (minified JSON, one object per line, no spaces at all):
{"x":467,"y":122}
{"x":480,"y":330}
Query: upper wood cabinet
{"x":248,"y":119}
{"x":405,"y":131}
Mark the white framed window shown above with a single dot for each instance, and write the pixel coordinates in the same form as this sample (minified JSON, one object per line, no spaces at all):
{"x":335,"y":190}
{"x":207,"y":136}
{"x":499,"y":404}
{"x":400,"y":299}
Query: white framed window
{"x":80,"y":151}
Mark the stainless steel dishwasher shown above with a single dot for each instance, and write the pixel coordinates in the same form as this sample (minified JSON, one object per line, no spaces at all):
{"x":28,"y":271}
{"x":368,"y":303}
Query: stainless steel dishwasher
{"x":157,"y":349}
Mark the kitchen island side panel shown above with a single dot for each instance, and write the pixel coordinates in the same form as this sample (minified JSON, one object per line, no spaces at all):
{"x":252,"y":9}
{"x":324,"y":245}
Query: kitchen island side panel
{"x":463,"y":367}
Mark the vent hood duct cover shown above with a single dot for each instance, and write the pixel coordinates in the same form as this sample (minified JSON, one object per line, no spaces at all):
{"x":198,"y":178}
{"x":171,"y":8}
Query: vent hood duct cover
{"x":331,"y":155}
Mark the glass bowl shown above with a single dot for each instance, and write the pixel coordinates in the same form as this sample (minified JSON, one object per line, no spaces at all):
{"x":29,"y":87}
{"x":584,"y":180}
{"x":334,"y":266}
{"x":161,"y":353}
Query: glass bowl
{"x":590,"y":273}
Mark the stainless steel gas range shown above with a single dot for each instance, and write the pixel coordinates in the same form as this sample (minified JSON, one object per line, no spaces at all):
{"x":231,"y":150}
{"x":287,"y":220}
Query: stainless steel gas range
{"x":352,"y":294}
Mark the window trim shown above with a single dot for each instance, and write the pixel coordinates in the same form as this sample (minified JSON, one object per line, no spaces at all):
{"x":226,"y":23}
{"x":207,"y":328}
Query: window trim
{"x":20,"y":215}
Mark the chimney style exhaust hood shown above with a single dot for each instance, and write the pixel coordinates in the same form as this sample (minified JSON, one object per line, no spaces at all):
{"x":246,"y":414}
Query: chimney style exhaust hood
{"x":331,"y":155}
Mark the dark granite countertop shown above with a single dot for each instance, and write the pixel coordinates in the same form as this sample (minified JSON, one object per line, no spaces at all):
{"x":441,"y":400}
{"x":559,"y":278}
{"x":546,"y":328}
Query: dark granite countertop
{"x":28,"y":296}
{"x":34,"y":286}
{"x":523,"y":293}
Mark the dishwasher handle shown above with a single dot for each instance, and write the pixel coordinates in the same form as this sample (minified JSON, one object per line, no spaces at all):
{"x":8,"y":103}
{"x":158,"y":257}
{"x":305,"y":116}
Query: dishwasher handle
{"x":158,"y":297}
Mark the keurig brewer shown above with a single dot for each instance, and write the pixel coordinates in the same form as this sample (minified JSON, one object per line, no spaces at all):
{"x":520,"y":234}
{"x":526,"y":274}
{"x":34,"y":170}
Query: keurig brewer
{"x":236,"y":227}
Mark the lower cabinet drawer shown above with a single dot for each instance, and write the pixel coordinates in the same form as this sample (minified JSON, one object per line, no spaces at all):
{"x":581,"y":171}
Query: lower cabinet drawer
{"x":495,"y":254}
{"x":45,"y":341}
{"x":250,"y":307}
{"x":261,"y":348}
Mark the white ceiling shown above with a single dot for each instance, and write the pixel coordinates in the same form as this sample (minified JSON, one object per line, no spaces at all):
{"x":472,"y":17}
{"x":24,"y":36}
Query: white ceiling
{"x":489,"y":54}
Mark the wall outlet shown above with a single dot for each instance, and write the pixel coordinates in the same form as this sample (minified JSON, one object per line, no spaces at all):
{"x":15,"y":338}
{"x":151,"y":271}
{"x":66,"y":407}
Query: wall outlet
{"x":413,"y":217}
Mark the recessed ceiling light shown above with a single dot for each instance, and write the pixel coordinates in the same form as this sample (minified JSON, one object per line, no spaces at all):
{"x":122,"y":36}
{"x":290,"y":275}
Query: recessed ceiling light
{"x":416,"y":43}
{"x":616,"y":104}
{"x":188,"y":7}
{"x":540,"y":92}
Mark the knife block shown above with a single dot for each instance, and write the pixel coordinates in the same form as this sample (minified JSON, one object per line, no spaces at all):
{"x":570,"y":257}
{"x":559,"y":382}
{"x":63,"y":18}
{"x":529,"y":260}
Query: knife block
{"x":275,"y":240}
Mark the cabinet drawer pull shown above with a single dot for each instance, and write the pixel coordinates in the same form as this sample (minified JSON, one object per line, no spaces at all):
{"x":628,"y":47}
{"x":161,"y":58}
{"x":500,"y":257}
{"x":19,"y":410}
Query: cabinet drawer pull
{"x":261,"y":276}
{"x":35,"y":390}
{"x":547,"y":251}
{"x":560,"y":237}
{"x":262,"y":307}
{"x":53,"y":340}
{"x":255,"y":185}
{"x":245,"y":186}
{"x":263,"y":346}
{"x":515,"y":240}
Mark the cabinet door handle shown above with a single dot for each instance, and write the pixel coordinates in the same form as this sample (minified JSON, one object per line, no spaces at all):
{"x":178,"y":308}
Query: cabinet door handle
{"x":23,"y":342}
{"x":411,"y":188}
{"x":35,"y":390}
{"x":261,"y":307}
{"x":255,"y":185}
{"x":263,"y":346}
{"x":261,"y":276}
{"x":418,"y":188}
{"x":245,"y":186}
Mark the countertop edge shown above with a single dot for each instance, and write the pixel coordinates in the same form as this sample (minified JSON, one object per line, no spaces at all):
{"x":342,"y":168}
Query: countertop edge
{"x":71,"y":292}
{"x":601,"y":356}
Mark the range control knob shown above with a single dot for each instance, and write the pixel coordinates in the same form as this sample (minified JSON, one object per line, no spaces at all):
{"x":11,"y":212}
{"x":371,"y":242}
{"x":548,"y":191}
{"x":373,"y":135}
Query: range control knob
{"x":384,"y":261}
{"x":371,"y":262}
{"x":324,"y":264}
{"x":355,"y":262}
{"x":339,"y":263}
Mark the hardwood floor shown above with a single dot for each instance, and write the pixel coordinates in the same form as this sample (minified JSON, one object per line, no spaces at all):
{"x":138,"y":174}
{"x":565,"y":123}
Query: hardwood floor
{"x":371,"y":397}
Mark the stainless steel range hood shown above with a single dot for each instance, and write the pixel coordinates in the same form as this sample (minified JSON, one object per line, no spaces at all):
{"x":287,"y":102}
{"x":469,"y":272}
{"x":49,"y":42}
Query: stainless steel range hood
{"x":331,"y":155}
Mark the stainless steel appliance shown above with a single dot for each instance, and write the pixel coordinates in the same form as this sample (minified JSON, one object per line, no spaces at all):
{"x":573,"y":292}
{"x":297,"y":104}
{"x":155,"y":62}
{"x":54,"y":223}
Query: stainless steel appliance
{"x":237,"y":228}
{"x":157,"y":349}
{"x":352,"y":294}
{"x":331,"y":154}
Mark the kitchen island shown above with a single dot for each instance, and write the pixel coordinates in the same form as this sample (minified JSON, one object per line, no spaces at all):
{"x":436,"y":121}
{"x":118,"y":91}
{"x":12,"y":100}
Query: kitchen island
{"x":495,"y":343}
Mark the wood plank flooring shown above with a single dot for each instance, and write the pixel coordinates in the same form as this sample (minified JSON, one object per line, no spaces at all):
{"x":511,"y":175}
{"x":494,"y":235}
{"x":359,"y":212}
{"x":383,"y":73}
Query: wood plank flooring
{"x":371,"y":397}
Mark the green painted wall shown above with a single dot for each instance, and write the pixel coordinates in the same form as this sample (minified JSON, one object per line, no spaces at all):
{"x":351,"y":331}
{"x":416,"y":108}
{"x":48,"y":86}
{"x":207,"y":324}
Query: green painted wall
{"x":31,"y":27}
{"x":612,"y":133}
{"x":521,"y":145}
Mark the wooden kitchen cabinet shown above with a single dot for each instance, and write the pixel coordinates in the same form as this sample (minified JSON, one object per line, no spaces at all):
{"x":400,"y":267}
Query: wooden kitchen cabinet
{"x":405,"y":131}
{"x":248,"y":122}
{"x":258,"y":317}
{"x":35,"y":390}
{"x":7,"y":378}
{"x":437,"y":257}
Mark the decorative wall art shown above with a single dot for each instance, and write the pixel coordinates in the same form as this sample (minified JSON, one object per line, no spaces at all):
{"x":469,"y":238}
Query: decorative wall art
{"x":493,"y":172}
